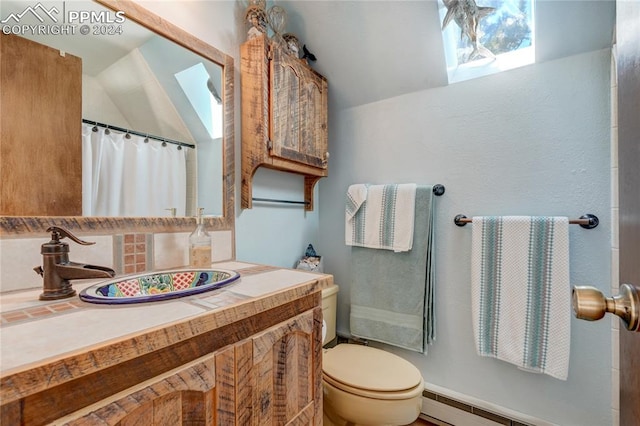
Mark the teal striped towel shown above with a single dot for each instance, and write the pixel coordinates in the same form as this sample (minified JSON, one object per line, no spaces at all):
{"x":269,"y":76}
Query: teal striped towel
{"x":380,"y":216}
{"x":392,"y":294}
{"x":521,"y":293}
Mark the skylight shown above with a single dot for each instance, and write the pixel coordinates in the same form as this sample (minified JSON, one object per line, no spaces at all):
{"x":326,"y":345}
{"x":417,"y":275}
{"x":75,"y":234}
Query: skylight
{"x":196,"y":84}
{"x":503,"y":31}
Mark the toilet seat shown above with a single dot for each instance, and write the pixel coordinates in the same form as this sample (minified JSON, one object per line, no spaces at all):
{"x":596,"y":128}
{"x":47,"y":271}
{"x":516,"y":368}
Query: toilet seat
{"x":371,"y":373}
{"x":380,"y":395}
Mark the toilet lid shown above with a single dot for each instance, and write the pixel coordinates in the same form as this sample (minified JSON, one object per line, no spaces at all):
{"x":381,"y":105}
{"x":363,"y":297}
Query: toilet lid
{"x":369,"y":368}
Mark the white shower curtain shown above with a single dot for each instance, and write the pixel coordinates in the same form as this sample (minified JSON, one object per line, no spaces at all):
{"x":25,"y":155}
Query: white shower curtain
{"x":128,"y":177}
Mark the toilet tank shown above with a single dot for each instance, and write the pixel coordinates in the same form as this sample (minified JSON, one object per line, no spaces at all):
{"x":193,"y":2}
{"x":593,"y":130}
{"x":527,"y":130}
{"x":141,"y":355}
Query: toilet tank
{"x":329,"y":312}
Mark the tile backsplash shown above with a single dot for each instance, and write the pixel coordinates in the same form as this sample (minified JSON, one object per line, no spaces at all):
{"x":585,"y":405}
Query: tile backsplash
{"x":133,"y":253}
{"x":128,"y":253}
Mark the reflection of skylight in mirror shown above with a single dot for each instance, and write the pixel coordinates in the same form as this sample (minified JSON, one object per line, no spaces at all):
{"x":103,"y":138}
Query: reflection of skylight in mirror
{"x":503,"y":32}
{"x":193,"y":82}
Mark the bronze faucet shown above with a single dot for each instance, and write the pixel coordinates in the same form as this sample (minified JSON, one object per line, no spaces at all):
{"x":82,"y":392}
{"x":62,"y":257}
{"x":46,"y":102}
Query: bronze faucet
{"x":57,"y":270}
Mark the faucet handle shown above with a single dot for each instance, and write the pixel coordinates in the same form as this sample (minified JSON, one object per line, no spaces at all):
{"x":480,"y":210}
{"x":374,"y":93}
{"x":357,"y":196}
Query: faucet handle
{"x":58,"y":233}
{"x":39,"y":271}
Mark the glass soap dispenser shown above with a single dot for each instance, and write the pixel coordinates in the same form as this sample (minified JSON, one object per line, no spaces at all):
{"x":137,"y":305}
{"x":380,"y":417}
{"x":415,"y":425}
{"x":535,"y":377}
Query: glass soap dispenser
{"x":200,"y":244}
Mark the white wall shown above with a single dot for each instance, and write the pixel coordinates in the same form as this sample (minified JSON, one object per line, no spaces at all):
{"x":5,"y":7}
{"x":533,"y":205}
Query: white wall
{"x":532,"y":141}
{"x":277,"y":234}
{"x":269,"y":233}
{"x":98,"y":106}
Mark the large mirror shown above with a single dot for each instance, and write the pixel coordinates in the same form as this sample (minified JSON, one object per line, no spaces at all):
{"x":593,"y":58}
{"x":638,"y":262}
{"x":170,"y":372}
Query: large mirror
{"x":199,"y":76}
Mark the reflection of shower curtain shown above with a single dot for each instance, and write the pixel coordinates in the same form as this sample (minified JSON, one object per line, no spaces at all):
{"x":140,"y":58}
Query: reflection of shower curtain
{"x":128,"y":177}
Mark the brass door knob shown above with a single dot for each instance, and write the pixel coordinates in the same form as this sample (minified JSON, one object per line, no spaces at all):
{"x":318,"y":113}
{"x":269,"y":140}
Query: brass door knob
{"x":590,"y":304}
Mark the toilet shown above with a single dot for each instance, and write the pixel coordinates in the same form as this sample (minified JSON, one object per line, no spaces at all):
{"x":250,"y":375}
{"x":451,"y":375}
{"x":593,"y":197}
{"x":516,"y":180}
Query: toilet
{"x":364,"y":385}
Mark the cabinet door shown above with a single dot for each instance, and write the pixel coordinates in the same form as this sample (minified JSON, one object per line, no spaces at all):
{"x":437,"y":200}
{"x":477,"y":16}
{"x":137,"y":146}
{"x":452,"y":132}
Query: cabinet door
{"x":41,"y":104}
{"x":298,"y":98}
{"x":195,"y":394}
{"x":286,"y":373}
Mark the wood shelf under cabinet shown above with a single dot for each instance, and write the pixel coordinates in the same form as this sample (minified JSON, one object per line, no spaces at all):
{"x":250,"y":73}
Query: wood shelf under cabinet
{"x":284,"y":116}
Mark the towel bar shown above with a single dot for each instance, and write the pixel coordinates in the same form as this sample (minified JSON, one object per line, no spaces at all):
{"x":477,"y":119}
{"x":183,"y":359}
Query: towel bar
{"x":587,"y":221}
{"x":438,"y":189}
{"x":273,"y":200}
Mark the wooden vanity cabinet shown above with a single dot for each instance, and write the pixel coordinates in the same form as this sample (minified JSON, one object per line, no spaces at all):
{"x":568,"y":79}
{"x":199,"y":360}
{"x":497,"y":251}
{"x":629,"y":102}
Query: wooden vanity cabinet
{"x":284,"y":116}
{"x":270,"y":378}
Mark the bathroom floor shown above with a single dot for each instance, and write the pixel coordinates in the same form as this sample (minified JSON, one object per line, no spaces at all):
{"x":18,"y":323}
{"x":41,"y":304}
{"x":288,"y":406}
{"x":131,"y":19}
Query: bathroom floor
{"x":421,"y":422}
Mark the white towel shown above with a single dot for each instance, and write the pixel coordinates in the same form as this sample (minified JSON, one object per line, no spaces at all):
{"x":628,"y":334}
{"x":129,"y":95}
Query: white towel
{"x":521,"y":293}
{"x":380,"y":216}
{"x":356,"y":195}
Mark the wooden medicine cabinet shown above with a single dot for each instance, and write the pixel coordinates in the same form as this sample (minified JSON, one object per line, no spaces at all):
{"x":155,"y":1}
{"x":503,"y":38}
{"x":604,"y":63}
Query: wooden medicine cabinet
{"x":284,"y":116}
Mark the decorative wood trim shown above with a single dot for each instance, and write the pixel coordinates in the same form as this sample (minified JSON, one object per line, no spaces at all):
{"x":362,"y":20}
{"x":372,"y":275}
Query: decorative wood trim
{"x":225,"y":386}
{"x":309,"y":185}
{"x":15,"y":226}
{"x":254,"y":86}
{"x":36,"y":226}
{"x":245,"y":382}
{"x":317,"y":361}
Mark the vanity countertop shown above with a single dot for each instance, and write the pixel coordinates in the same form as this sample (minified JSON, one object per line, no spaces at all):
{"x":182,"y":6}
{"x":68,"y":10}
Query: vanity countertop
{"x":48,"y":343}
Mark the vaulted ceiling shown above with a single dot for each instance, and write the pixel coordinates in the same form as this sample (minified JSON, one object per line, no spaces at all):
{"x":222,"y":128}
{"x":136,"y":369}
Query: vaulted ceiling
{"x":376,"y":49}
{"x":373,"y":50}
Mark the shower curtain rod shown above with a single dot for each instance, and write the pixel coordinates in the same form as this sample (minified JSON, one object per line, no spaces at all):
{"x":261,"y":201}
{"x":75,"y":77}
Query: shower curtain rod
{"x":133,"y":132}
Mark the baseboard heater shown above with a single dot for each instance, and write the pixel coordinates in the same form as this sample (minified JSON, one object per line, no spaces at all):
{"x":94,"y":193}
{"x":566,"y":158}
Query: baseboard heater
{"x":466,"y":409}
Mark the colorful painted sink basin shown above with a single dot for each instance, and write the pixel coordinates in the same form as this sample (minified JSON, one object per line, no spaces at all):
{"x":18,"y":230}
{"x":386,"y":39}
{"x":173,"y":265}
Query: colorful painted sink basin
{"x":155,"y":286}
